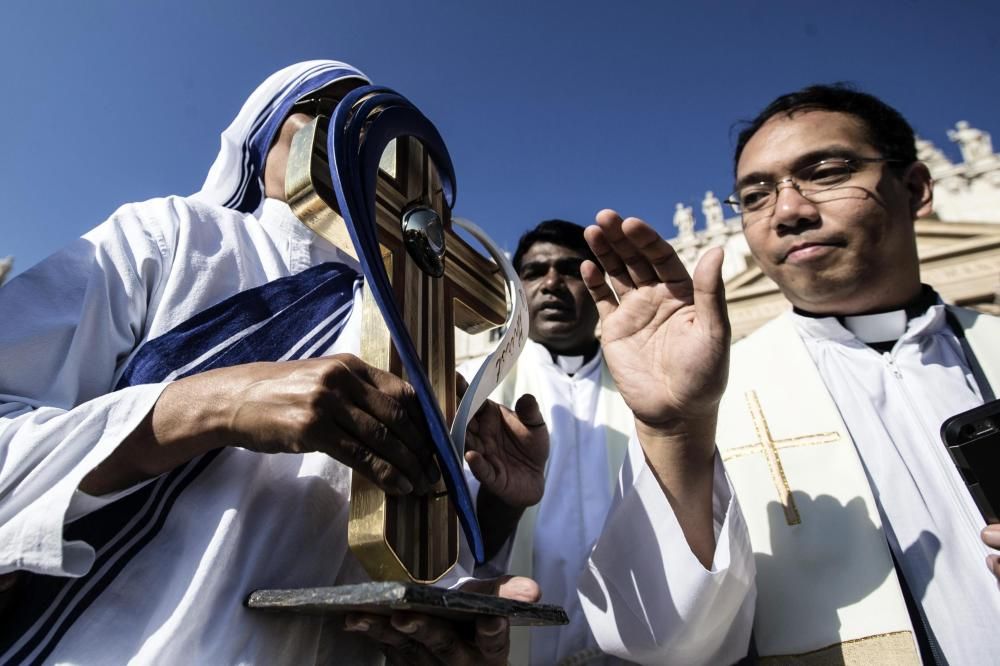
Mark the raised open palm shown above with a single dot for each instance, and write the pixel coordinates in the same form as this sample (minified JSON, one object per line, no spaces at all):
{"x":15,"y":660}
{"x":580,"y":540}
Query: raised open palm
{"x":665,"y":336}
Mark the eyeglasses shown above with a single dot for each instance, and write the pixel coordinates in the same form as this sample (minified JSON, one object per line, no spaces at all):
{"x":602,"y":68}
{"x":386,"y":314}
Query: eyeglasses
{"x":810,"y":181}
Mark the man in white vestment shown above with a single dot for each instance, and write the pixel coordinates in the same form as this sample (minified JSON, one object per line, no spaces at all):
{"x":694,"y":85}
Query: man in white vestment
{"x":804,"y":511}
{"x":181,"y":411}
{"x":589,"y":425}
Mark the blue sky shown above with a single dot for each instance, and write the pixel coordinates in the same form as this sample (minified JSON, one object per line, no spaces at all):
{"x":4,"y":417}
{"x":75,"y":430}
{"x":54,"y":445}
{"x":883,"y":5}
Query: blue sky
{"x":550,"y":109}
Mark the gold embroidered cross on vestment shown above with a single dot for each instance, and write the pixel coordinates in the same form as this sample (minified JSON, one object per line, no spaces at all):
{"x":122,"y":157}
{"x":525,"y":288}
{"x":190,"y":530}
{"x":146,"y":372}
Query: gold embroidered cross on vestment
{"x":768,"y":446}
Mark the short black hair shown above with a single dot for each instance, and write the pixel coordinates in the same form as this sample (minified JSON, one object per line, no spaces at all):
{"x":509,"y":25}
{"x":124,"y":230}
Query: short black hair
{"x":887,"y":130}
{"x":557,"y":232}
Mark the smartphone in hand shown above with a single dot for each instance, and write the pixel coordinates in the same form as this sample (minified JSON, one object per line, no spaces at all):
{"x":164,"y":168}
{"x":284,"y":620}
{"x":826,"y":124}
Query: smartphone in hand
{"x":973,"y":440}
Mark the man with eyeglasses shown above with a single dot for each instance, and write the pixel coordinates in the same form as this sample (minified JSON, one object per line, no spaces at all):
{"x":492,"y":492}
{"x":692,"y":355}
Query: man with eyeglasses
{"x":799,"y":505}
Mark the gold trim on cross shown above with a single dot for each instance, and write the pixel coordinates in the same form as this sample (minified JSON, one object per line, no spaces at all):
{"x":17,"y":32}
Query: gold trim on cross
{"x":767,"y":445}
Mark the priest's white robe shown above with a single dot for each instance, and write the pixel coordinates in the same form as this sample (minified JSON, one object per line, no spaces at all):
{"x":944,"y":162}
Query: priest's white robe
{"x":826,"y":441}
{"x":589,"y":426}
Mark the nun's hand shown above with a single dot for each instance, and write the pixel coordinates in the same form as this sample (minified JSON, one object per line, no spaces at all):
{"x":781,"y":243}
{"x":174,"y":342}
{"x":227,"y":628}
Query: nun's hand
{"x":366,"y":418}
{"x":417,"y":639}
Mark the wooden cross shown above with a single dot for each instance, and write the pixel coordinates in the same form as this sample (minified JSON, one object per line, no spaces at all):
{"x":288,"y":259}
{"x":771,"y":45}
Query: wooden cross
{"x":767,"y":445}
{"x":408,"y":537}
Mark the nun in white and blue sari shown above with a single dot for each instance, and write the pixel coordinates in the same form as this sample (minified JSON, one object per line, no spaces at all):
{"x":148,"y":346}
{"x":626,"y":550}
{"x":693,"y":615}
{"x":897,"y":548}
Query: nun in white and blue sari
{"x":157,"y":573}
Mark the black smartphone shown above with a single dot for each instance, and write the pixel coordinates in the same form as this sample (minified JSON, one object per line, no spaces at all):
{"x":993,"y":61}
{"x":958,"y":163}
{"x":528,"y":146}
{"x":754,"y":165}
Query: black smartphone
{"x":973,"y":440}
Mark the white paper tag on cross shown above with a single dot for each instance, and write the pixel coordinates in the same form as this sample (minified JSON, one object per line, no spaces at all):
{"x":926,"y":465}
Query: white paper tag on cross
{"x":500,"y":361}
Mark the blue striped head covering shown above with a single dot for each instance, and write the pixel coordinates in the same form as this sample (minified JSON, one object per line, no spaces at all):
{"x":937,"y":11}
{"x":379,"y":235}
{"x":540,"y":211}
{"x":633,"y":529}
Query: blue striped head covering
{"x":236,"y":179}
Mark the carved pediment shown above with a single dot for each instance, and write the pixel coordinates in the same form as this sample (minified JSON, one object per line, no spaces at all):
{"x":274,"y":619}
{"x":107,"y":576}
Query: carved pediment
{"x":961,"y":260}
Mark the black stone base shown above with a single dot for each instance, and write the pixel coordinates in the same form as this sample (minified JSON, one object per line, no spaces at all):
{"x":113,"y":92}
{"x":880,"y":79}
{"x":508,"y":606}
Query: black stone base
{"x":384,"y":598}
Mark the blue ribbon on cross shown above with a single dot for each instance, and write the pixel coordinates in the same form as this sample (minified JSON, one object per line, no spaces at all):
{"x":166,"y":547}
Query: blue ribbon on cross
{"x":363,"y":124}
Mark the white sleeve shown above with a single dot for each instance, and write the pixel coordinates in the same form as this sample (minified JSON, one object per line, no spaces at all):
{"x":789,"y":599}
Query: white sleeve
{"x":646,"y":596}
{"x":69,"y":326}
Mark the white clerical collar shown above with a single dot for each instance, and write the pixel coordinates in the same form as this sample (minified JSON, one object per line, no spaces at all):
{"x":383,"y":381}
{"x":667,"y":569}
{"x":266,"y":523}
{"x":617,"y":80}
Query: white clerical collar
{"x":569,"y":364}
{"x":880,"y":327}
{"x":543,"y":355}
